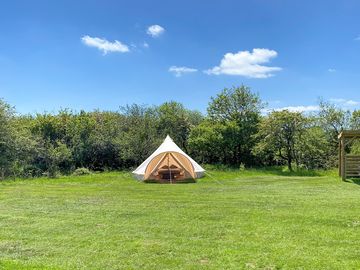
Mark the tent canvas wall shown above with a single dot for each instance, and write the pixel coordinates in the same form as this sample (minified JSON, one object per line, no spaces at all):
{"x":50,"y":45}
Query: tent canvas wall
{"x":168,"y":163}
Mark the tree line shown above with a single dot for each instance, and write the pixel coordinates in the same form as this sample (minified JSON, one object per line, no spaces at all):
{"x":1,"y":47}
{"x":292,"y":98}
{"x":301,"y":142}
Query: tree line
{"x":234,"y":132}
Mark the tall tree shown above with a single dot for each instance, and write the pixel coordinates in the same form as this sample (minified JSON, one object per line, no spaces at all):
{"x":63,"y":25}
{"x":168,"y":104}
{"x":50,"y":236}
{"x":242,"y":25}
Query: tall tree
{"x":239,"y":110}
{"x":313,"y":148}
{"x":207,"y":143}
{"x":7,"y":139}
{"x":333,"y":120}
{"x":140,"y":137}
{"x":279,"y":133}
{"x":176,"y":121}
{"x":355,"y":124}
{"x":355,"y":120}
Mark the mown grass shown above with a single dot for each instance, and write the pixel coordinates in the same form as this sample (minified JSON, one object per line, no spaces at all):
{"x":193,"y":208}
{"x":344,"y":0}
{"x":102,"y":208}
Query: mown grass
{"x":230,"y":219}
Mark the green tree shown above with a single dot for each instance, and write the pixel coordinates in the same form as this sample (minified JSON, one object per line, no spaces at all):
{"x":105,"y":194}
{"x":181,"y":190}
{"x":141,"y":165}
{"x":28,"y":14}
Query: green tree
{"x":355,"y":120}
{"x":314,"y":149}
{"x":333,"y":120}
{"x":176,"y":121}
{"x":206,"y":142}
{"x":7,"y":139}
{"x":140,"y":135}
{"x":58,"y":158}
{"x":279,"y":134}
{"x":26,"y":148}
{"x":238,"y":109}
{"x":355,"y":125}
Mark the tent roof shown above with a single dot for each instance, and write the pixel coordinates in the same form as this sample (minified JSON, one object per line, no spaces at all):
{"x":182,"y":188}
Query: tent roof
{"x":167,"y":146}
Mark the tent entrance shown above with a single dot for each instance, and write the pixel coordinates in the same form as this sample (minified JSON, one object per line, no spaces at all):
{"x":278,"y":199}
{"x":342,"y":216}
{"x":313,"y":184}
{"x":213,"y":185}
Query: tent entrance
{"x":169,"y":174}
{"x":169,"y":168}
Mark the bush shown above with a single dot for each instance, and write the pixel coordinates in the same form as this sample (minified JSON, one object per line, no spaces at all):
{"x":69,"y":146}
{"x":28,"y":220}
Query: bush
{"x":52,"y":173}
{"x":82,"y":171}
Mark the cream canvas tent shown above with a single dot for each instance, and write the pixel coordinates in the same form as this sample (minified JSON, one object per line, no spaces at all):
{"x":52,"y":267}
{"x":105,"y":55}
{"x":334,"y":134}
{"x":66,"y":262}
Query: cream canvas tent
{"x":168,"y":164}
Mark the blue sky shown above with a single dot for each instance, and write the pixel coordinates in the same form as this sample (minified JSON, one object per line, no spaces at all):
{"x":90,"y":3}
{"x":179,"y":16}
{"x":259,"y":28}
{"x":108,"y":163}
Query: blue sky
{"x":62,"y":54}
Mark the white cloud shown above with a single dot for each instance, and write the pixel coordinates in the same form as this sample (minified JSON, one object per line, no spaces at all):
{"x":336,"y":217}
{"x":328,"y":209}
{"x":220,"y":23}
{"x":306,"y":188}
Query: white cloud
{"x":313,"y":108}
{"x":341,"y":102}
{"x":179,"y":71}
{"x":352,"y":102}
{"x":310,"y":108}
{"x":344,"y":102}
{"x":247,"y":64}
{"x":332,"y":70}
{"x":145,"y":45}
{"x":155,"y":30}
{"x":104,"y":45}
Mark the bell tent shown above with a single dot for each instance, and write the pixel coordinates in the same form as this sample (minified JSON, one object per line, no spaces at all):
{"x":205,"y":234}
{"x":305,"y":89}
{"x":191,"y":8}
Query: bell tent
{"x":168,"y":164}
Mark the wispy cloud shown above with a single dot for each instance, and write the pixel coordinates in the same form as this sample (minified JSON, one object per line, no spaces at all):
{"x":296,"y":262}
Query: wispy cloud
{"x":247,"y":64}
{"x":332,"y":70}
{"x":344,"y":102}
{"x":145,"y":45}
{"x":179,"y":71}
{"x":310,"y":108}
{"x":155,"y":30}
{"x":104,"y":45}
{"x":341,"y":102}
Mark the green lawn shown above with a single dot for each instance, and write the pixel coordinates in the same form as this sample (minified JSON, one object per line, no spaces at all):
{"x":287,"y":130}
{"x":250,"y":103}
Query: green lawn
{"x":232,"y":220}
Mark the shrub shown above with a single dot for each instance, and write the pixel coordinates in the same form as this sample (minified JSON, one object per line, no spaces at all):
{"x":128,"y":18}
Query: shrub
{"x":82,"y":171}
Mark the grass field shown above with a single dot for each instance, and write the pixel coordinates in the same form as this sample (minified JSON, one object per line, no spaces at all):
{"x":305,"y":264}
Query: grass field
{"x":231,"y":220}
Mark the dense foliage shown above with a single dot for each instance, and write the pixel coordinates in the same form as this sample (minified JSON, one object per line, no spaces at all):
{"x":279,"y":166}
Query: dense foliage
{"x":234,"y":132}
{"x":233,"y":118}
